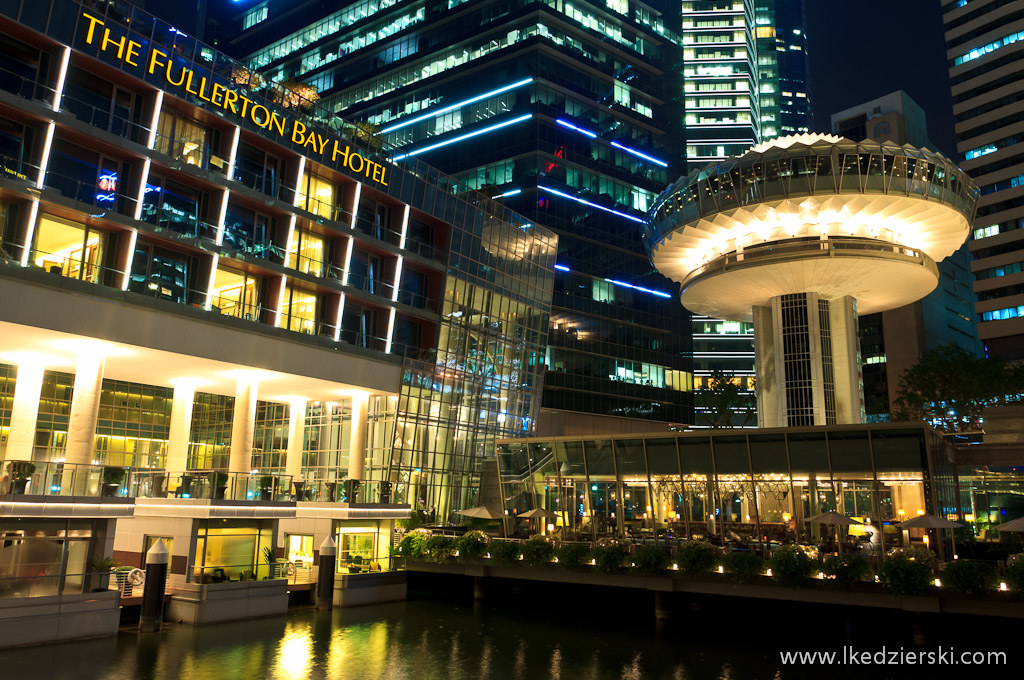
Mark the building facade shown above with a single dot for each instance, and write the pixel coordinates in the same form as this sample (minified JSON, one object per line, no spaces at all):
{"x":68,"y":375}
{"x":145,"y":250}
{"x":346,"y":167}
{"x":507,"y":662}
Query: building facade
{"x":985,"y":49}
{"x":565,"y":112}
{"x":212,"y":290}
{"x":892,"y":342}
{"x":734,"y":487}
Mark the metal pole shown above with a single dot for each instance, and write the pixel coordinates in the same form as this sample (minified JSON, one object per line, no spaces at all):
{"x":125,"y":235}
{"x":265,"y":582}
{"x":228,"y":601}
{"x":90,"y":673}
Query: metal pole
{"x":325,"y":574}
{"x":157,"y":560}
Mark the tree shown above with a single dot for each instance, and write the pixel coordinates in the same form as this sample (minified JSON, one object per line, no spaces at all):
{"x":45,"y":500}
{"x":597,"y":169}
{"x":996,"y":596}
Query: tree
{"x":724,"y":401}
{"x":950,"y":387}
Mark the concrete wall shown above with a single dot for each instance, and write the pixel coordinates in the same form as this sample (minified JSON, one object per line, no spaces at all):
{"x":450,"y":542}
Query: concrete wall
{"x":37,"y":620}
{"x":357,"y":590}
{"x":219,"y":602}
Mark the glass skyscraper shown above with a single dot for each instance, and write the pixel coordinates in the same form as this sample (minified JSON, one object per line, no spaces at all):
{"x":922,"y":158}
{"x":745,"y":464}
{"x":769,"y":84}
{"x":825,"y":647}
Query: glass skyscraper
{"x":569,"y":113}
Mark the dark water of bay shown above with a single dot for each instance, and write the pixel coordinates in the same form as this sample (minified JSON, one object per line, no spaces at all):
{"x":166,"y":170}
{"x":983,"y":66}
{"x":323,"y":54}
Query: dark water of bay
{"x":525,"y":635}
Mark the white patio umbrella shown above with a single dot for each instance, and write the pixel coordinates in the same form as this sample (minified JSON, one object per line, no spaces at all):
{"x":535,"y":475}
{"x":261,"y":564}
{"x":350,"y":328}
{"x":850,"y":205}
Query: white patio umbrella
{"x":482,"y":512}
{"x":1012,"y":525}
{"x":537,"y":512}
{"x":927,"y":521}
{"x":833,"y":518}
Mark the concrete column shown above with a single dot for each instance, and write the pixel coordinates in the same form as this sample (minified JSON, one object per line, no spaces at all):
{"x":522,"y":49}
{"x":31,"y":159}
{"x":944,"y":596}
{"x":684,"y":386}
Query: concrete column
{"x":21,"y":437}
{"x":357,"y":436}
{"x":181,"y":427}
{"x":296,"y":437}
{"x":243,"y":425}
{"x":85,"y":406}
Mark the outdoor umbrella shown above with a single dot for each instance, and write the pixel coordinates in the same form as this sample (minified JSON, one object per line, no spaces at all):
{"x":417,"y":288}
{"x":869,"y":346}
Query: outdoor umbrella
{"x":537,"y":512}
{"x":1013,"y":525}
{"x":833,"y":518}
{"x":482,"y":512}
{"x":927,"y":521}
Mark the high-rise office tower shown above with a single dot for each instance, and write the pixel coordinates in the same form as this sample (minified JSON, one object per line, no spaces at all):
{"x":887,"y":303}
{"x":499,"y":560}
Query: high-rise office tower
{"x":893,"y":341}
{"x":985,"y":49}
{"x":783,"y":71}
{"x":568,"y":112}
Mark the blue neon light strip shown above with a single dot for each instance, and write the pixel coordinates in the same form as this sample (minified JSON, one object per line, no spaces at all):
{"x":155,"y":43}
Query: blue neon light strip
{"x":641,"y":155}
{"x":573,"y":127}
{"x":510,"y":193}
{"x":592,"y":205}
{"x":588,"y":133}
{"x":462,"y":137}
{"x":563,"y":268}
{"x":433,"y":113}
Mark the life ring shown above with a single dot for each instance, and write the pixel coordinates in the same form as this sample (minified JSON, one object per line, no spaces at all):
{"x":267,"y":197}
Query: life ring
{"x":136,"y":577}
{"x":289,"y":568}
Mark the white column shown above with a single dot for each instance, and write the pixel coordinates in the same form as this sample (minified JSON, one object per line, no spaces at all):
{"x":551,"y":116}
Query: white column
{"x":181,"y":427}
{"x":22,"y":434}
{"x":85,"y":406}
{"x":243,"y":425}
{"x":296,"y":437}
{"x":357,"y":435}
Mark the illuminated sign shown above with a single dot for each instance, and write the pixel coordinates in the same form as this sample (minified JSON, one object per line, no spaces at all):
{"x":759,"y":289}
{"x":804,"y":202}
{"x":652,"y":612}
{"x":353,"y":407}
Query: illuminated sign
{"x":157,"y":62}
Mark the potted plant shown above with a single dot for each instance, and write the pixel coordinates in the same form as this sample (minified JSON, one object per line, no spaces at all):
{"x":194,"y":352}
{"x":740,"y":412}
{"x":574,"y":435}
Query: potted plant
{"x":21,"y":471}
{"x":124,"y":586}
{"x":99,"y":569}
{"x":220,"y":483}
{"x":267,"y":488}
{"x":112,"y":478}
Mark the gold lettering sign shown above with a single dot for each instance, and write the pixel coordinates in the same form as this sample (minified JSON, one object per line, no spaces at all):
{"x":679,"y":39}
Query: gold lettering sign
{"x":159,"y":62}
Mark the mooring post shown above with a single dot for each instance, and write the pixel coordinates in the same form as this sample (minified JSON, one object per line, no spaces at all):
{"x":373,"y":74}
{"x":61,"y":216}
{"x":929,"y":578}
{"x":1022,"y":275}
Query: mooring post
{"x":157,"y":560}
{"x":325,"y":574}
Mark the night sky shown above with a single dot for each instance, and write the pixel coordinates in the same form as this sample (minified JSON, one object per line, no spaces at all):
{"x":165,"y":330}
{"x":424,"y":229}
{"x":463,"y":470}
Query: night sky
{"x":864,"y":49}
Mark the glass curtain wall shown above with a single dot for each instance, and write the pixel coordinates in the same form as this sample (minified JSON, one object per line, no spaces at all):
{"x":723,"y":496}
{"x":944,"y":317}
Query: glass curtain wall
{"x":736,"y":489}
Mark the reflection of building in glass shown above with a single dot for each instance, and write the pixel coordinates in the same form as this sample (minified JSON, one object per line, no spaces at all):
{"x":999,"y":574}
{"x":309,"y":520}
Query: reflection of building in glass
{"x":733,"y":487}
{"x":215,"y":295}
{"x":800,"y":235}
{"x":565,"y":113}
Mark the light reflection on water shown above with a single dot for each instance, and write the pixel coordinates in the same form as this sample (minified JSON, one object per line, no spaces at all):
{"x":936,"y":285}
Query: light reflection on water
{"x":455,"y":641}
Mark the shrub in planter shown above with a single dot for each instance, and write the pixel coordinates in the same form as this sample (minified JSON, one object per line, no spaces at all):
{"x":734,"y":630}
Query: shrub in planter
{"x":905,"y":576}
{"x":505,"y":552}
{"x":609,"y":556}
{"x":846,"y":569}
{"x":572,"y":556}
{"x":1015,"y":572}
{"x":651,"y":560}
{"x":695,"y":557}
{"x":970,"y":578}
{"x":440,"y":548}
{"x":791,"y":565}
{"x":414,"y":544}
{"x":538,"y":550}
{"x":472,"y":544}
{"x":742,"y":566}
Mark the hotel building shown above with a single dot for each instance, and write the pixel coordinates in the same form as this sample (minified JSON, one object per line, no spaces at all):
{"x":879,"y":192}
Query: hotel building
{"x":227,"y":321}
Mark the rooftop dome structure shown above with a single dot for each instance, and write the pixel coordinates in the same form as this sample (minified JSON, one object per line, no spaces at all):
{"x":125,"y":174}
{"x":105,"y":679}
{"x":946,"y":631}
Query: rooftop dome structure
{"x":859,"y":225}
